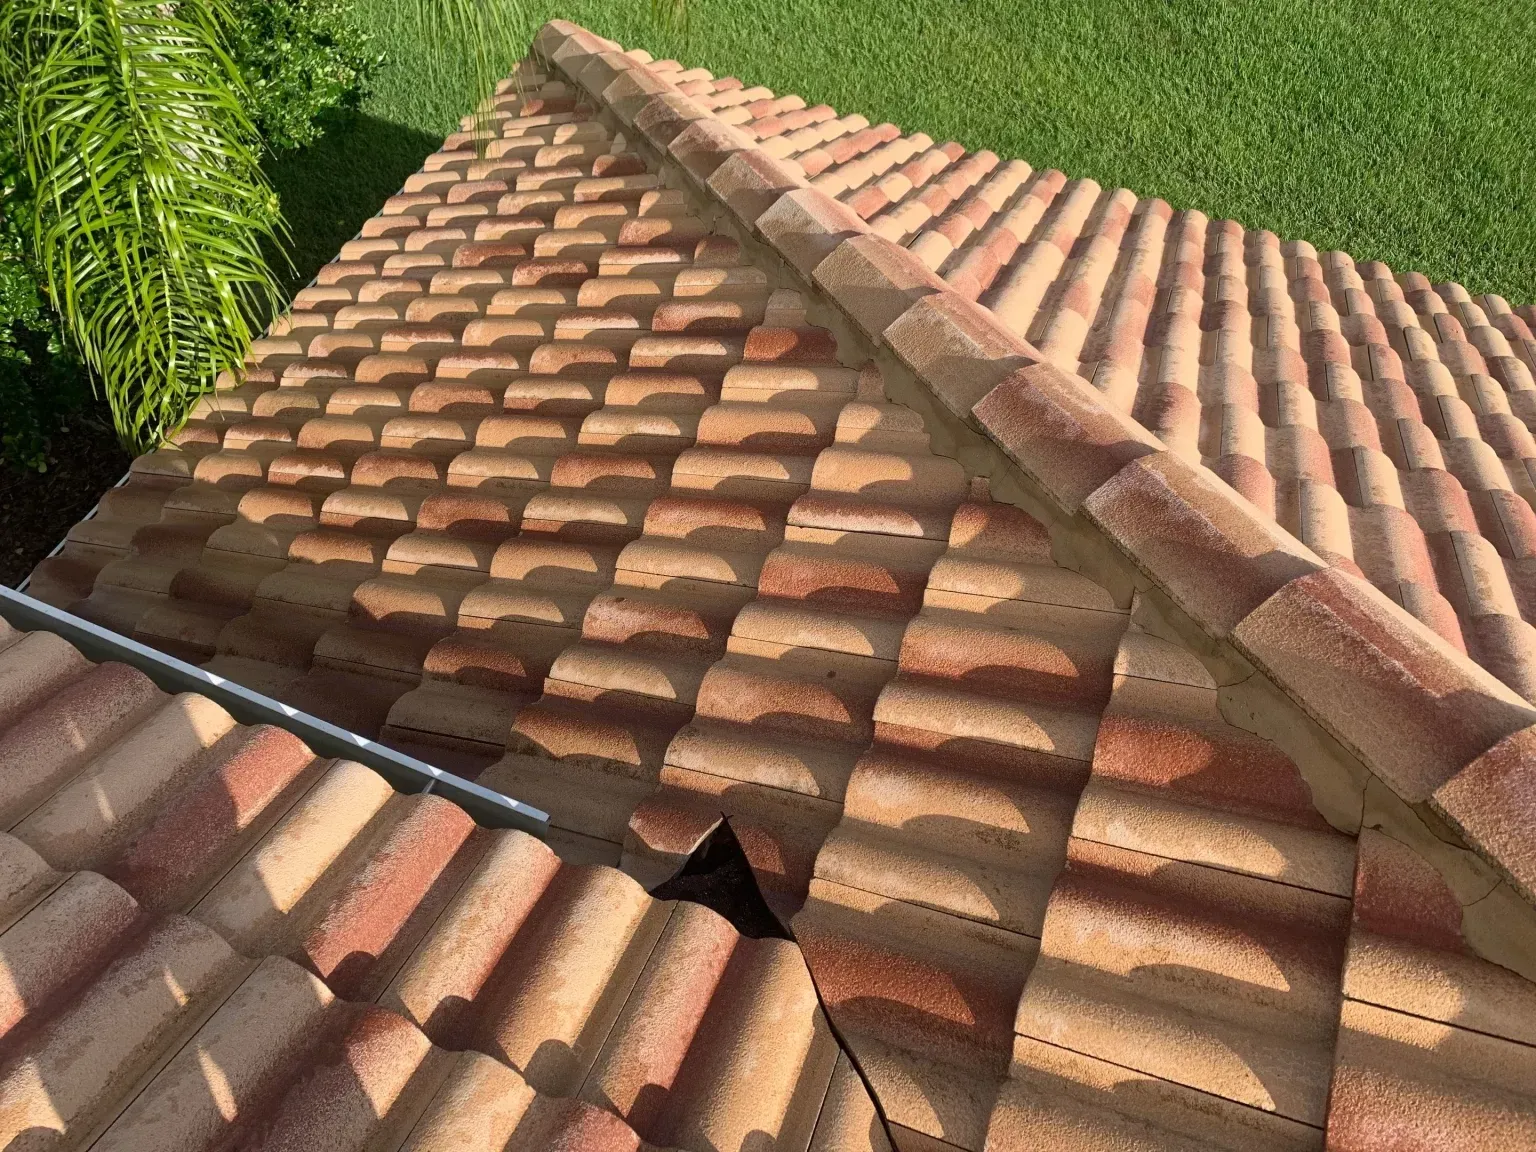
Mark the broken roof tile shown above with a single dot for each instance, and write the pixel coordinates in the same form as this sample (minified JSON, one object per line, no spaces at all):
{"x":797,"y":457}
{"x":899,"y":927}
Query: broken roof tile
{"x":312,"y":960}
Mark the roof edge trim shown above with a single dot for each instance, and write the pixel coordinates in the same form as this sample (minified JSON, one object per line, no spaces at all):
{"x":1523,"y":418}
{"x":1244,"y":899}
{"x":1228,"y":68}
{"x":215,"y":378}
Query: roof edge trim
{"x":404,"y":773}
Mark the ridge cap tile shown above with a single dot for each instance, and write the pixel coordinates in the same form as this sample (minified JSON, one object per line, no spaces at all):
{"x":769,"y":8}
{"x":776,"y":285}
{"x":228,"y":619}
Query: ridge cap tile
{"x":749,"y":182}
{"x":1051,"y":425}
{"x":958,"y":349}
{"x":805,"y":225}
{"x":1492,"y":801}
{"x":1413,"y":708}
{"x":874,"y":281}
{"x":1217,"y":557}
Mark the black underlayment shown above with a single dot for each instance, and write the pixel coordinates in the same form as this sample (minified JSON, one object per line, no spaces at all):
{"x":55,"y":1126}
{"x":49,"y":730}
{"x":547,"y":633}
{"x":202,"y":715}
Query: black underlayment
{"x":718,"y":876}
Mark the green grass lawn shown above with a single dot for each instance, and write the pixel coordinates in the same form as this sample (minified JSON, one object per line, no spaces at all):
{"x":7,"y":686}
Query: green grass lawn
{"x":1403,"y":132}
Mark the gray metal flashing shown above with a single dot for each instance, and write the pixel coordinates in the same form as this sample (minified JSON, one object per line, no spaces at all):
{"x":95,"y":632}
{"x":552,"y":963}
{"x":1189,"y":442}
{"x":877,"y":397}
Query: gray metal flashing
{"x":405,"y":773}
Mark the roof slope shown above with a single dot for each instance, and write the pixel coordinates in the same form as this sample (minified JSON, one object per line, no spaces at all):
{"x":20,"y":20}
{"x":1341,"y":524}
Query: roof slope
{"x":1384,"y":421}
{"x":211,"y":935}
{"x":1402,"y":700}
{"x":549,"y":474}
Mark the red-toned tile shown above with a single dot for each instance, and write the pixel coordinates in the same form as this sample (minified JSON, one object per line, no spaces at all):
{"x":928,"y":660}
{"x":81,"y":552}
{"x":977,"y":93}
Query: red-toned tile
{"x":957,"y":349}
{"x":749,"y":183}
{"x":805,"y":225}
{"x":208,"y":822}
{"x":1415,"y":710}
{"x":1060,"y":433}
{"x":874,"y":281}
{"x":1213,"y":554}
{"x":1492,"y":799}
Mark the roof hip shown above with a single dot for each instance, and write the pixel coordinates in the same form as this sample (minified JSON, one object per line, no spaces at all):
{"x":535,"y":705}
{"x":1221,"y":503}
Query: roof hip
{"x":1441,"y":732}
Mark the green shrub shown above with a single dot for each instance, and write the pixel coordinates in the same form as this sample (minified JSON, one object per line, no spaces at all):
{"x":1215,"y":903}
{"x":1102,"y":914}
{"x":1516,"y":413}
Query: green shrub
{"x":139,"y":128}
{"x":150,"y":216}
{"x":300,"y":58}
{"x":41,"y":386}
{"x":40,"y":382}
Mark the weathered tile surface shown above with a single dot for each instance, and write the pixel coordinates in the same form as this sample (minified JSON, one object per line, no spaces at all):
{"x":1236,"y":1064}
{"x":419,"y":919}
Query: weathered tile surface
{"x":546,"y":479}
{"x":281,"y":951}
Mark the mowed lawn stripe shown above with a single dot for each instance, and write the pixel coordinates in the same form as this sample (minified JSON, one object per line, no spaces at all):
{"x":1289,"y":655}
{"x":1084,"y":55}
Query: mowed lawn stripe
{"x":1402,"y":132}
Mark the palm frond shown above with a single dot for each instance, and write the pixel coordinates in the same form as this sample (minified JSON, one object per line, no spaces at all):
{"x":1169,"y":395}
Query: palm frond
{"x":473,"y":42}
{"x":151,"y":208}
{"x":671,"y":16}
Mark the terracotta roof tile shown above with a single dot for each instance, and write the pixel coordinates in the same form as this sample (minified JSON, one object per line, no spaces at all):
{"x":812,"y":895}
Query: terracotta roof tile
{"x":557,"y":485}
{"x":1199,"y":843}
{"x":1154,"y":309}
{"x":1069,"y":448}
{"x":1367,"y":673}
{"x":1148,"y":305}
{"x":1491,"y":799}
{"x":1091,"y":280}
{"x":286,"y":949}
{"x":1434,"y":1043}
{"x":1216,"y":559}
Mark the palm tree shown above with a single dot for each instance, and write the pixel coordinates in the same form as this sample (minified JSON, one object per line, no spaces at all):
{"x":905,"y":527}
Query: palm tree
{"x":150,"y":217}
{"x":148,"y":208}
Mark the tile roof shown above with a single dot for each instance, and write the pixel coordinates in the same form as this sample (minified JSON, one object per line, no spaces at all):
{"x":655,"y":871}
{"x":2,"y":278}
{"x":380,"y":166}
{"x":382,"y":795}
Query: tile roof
{"x":1274,"y":579}
{"x":1384,"y":421}
{"x":549,"y":478}
{"x":211,"y":937}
